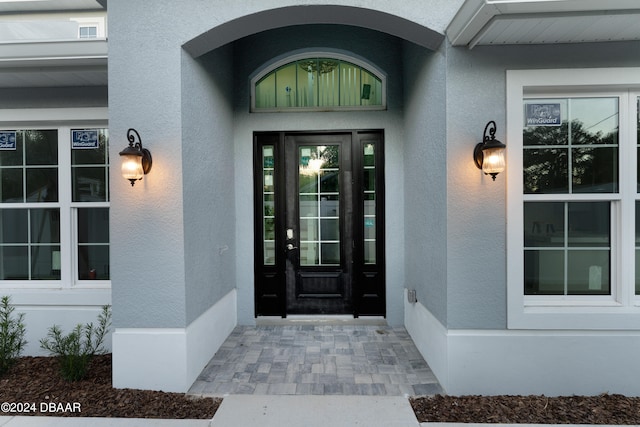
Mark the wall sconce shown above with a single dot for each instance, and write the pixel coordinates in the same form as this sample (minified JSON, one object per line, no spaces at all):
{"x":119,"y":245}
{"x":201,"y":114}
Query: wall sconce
{"x":489,"y":154}
{"x":136,"y":160}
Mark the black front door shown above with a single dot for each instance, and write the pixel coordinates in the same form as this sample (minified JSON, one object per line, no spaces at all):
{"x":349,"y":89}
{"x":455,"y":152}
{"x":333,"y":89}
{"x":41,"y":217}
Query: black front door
{"x":319,"y":228}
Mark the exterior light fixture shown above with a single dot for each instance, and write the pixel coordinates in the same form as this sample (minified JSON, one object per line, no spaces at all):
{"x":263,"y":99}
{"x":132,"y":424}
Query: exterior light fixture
{"x":136,"y":161}
{"x":489,"y":154}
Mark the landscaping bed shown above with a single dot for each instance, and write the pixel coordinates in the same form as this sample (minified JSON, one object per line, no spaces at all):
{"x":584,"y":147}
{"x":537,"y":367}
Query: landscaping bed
{"x":603,"y":409}
{"x":33,"y":386}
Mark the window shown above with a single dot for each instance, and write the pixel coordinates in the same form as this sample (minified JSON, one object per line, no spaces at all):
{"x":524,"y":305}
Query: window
{"x":54,"y":205}
{"x":88,"y":32}
{"x":573,"y":244}
{"x":322,"y":82}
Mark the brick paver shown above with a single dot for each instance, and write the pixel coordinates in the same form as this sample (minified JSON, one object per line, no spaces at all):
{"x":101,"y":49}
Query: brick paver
{"x":317,"y":360}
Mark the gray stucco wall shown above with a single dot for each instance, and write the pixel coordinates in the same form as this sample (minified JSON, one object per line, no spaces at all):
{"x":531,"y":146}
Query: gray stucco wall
{"x":425,"y":179}
{"x":476,"y":229}
{"x":208,"y":179}
{"x":161,"y":227}
{"x":147,"y":226}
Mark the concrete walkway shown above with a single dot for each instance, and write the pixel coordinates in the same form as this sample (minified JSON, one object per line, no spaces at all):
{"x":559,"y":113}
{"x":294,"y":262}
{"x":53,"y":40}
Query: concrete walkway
{"x":264,"y":411}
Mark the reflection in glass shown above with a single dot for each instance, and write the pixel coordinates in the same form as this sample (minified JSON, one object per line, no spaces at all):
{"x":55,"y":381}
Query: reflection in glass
{"x":330,"y":229}
{"x":269,"y":253}
{"x":309,"y":253}
{"x":543,"y":224}
{"x":545,"y":170}
{"x":330,"y":253}
{"x":595,"y":170}
{"x":11,"y":187}
{"x":45,"y":262}
{"x":589,"y":224}
{"x":369,"y":197}
{"x":268,"y":205}
{"x":308,"y":206}
{"x":15,"y":262}
{"x":308,"y":229}
{"x":590,"y":127}
{"x":93,"y":262}
{"x":89,"y":184}
{"x":90,"y":170}
{"x":369,"y":252}
{"x":45,"y":226}
{"x":41,"y":147}
{"x":42,"y":185}
{"x":544,"y":272}
{"x":319,"y":204}
{"x":329,"y":181}
{"x":93,"y":243}
{"x":588,"y":272}
{"x":15,"y":228}
{"x":571,"y":235}
{"x":370,"y":204}
{"x":13,"y":157}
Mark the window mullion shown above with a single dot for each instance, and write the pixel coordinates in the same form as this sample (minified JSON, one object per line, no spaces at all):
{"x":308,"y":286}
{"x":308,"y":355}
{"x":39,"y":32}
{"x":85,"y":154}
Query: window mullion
{"x":64,"y":194}
{"x":625,"y":231}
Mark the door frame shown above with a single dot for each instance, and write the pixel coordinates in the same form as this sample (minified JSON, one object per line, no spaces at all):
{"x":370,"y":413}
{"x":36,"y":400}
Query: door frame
{"x":368,"y":279}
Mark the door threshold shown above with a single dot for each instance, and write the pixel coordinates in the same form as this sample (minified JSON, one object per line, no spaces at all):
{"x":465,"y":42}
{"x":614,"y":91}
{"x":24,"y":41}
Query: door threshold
{"x":301,"y":319}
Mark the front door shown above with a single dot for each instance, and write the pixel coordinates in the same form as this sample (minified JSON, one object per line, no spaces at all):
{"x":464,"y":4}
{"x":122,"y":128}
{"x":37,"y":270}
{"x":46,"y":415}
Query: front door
{"x":319,"y":228}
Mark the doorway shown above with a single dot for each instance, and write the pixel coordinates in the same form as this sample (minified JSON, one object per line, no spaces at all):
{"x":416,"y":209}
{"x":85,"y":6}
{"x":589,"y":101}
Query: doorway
{"x":319,"y":223}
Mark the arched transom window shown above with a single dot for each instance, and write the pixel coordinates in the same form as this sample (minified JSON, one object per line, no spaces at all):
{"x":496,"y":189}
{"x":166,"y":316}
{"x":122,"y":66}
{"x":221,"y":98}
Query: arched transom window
{"x":318,"y":82}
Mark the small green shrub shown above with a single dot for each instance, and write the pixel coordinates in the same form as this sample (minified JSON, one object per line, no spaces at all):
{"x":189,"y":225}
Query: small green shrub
{"x":76,"y":349}
{"x":12,"y":332}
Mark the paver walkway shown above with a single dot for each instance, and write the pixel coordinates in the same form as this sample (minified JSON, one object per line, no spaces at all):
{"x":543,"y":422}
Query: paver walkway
{"x":317,"y":360}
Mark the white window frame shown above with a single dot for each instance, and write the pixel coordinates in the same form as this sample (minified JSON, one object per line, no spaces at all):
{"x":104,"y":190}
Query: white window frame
{"x":63,"y":119}
{"x":97,"y":22}
{"x":621,"y":309}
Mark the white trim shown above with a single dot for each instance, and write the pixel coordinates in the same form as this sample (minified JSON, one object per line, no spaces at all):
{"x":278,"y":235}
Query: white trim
{"x":430,"y":337}
{"x":54,"y":116}
{"x":618,"y":311}
{"x":494,"y":362}
{"x":475,"y":17}
{"x":170,"y":359}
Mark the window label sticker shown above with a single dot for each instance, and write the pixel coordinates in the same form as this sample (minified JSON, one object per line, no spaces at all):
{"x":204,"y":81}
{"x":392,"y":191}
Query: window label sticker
{"x":543,"y":115}
{"x":84,"y":139}
{"x":8,"y":140}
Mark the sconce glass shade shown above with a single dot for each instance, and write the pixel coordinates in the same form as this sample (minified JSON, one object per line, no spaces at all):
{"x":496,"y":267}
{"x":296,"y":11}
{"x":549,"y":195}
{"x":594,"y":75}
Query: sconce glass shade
{"x":489,"y":155}
{"x":136,"y":160}
{"x":131,"y":164}
{"x":493,"y":160}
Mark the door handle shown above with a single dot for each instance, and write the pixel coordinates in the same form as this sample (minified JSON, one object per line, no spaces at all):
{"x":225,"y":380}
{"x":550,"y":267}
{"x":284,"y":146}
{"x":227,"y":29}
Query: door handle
{"x":290,"y":247}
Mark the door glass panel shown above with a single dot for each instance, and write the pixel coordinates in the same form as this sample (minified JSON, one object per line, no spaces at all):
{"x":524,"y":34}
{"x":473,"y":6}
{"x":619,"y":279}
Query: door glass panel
{"x":318,"y":205}
{"x":268,"y":205}
{"x":369,"y":197}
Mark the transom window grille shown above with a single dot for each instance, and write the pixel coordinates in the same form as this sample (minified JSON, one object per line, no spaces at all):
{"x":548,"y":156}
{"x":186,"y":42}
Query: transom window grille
{"x":318,"y":83}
